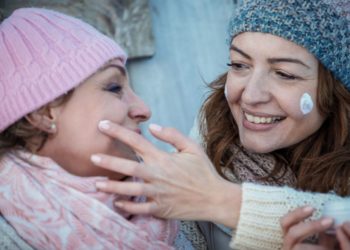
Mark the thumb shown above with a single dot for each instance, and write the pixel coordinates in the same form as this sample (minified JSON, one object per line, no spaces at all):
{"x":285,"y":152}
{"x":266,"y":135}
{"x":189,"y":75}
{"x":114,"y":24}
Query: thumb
{"x":174,"y":137}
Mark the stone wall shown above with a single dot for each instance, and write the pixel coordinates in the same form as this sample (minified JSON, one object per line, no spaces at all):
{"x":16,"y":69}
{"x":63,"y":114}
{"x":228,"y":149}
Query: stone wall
{"x":127,"y":21}
{"x":191,"y":51}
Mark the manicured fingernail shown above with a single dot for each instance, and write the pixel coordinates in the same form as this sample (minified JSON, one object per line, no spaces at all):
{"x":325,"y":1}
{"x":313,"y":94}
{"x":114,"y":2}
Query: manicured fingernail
{"x":95,"y":159}
{"x":155,"y":127}
{"x":101,"y":184}
{"x":118,"y":204}
{"x":104,"y":125}
{"x":326,"y":222}
{"x":308,"y":209}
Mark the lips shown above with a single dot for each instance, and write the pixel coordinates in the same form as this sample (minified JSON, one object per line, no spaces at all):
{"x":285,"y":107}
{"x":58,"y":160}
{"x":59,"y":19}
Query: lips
{"x":258,"y":119}
{"x":261,"y":122}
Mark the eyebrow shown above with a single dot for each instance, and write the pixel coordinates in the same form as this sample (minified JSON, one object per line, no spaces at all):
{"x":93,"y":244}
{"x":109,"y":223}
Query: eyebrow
{"x":121,"y":69}
{"x":289,"y":60}
{"x":270,"y":60}
{"x":234,"y":48}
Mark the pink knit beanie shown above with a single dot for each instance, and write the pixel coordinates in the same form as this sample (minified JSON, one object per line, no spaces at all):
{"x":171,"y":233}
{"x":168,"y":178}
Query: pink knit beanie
{"x":44,"y":54}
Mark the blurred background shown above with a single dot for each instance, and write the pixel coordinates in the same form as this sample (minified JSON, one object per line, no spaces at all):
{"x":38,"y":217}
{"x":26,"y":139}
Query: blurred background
{"x":175,"y":48}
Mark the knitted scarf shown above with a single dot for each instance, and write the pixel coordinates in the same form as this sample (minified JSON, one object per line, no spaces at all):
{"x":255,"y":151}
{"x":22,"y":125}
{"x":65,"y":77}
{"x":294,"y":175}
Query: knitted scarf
{"x":245,"y":166}
{"x":52,"y":209}
{"x":252,"y":167}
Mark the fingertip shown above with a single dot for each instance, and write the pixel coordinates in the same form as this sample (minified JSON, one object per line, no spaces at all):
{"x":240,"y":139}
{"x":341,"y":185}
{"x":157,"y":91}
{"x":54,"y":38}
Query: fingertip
{"x":104,"y":125}
{"x":155,"y":127}
{"x":100,"y":185}
{"x":327,"y":221}
{"x":96,"y":159}
{"x":308,"y":209}
{"x":119,"y":204}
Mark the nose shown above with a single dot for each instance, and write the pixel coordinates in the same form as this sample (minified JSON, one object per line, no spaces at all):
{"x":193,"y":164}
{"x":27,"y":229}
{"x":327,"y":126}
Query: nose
{"x":138,"y":110}
{"x":256,"y":89}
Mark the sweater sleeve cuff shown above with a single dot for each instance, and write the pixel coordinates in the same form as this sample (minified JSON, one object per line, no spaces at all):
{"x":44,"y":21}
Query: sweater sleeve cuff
{"x":263,"y":206}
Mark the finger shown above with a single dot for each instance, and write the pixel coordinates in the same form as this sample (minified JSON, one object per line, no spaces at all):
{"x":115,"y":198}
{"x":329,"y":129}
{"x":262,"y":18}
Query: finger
{"x":134,"y":140}
{"x":149,"y":207}
{"x":346,"y":228}
{"x":174,"y":137}
{"x":343,"y":238}
{"x":124,"y":188}
{"x":307,"y":247}
{"x":295,"y":217}
{"x":121,"y":165}
{"x":301,"y":231}
{"x":327,"y":240}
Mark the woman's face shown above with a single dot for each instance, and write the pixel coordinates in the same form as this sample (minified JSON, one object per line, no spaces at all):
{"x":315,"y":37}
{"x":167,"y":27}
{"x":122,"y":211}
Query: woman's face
{"x":264,"y":87}
{"x":104,"y":96}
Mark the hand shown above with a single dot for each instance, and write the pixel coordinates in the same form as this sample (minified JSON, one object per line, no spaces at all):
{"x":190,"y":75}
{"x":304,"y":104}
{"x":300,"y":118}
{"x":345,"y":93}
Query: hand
{"x":343,"y":235}
{"x":181,"y":185}
{"x":296,"y":230}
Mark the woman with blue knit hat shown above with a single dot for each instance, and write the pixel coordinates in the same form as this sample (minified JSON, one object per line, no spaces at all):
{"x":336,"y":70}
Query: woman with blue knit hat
{"x":279,"y":116}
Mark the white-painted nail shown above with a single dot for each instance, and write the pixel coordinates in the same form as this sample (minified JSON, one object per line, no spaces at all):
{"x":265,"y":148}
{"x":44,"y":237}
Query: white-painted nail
{"x":104,"y":125}
{"x":326,"y":222}
{"x":95,"y":159}
{"x":308,"y":209}
{"x":101,"y":184}
{"x":119,"y":204}
{"x":155,"y":127}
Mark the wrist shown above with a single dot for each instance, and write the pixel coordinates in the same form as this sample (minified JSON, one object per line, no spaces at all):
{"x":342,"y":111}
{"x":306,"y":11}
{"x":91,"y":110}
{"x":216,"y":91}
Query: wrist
{"x":225,"y":206}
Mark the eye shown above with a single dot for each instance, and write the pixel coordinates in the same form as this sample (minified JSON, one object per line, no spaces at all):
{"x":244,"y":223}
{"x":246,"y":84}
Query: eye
{"x":114,"y":88}
{"x":237,"y":66}
{"x":286,"y":76}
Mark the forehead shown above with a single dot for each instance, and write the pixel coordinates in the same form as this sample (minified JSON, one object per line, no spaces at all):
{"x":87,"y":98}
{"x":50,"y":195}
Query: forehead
{"x":262,"y":43}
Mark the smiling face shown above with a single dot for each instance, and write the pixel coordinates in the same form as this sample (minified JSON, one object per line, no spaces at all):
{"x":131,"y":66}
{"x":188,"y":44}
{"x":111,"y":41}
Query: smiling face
{"x":267,"y":79}
{"x":106,"y":95}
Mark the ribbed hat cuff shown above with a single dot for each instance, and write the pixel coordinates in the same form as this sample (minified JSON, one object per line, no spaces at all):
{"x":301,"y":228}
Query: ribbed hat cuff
{"x":82,"y":64}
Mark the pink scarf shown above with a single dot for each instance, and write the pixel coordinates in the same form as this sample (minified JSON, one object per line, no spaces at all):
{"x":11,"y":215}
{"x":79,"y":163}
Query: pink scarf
{"x":52,"y":209}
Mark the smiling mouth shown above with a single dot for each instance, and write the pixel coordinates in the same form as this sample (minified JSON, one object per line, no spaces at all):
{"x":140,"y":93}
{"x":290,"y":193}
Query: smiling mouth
{"x":262,"y":119}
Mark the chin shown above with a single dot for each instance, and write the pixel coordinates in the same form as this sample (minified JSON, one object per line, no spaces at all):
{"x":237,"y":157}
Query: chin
{"x":257,"y":148}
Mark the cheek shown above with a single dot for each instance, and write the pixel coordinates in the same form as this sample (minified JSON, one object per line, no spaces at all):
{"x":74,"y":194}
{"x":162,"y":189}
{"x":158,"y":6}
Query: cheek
{"x":232,"y":90}
{"x":114,"y":110}
{"x":298,"y":106}
{"x":306,"y":104}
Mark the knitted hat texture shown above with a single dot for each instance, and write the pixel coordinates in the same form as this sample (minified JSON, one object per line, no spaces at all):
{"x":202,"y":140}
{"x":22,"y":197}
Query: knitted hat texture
{"x":44,"y":54}
{"x":320,"y":26}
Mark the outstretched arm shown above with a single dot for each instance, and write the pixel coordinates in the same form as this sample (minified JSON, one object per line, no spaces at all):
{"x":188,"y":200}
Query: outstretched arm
{"x":185,"y":185}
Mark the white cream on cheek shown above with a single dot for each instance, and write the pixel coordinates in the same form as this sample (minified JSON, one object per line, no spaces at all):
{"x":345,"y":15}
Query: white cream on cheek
{"x":225,"y":92}
{"x":306,"y":104}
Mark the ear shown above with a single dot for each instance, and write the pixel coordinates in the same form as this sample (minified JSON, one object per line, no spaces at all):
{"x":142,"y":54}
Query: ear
{"x":42,"y":120}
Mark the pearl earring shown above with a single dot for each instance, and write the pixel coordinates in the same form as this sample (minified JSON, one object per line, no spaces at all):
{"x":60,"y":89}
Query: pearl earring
{"x":53,"y":127}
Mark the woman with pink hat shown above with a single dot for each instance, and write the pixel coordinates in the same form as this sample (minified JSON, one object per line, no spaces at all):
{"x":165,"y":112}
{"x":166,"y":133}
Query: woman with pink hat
{"x":58,"y":78}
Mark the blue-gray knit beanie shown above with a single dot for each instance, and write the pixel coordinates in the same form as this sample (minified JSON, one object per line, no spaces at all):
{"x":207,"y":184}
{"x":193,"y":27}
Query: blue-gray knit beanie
{"x":320,"y":26}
